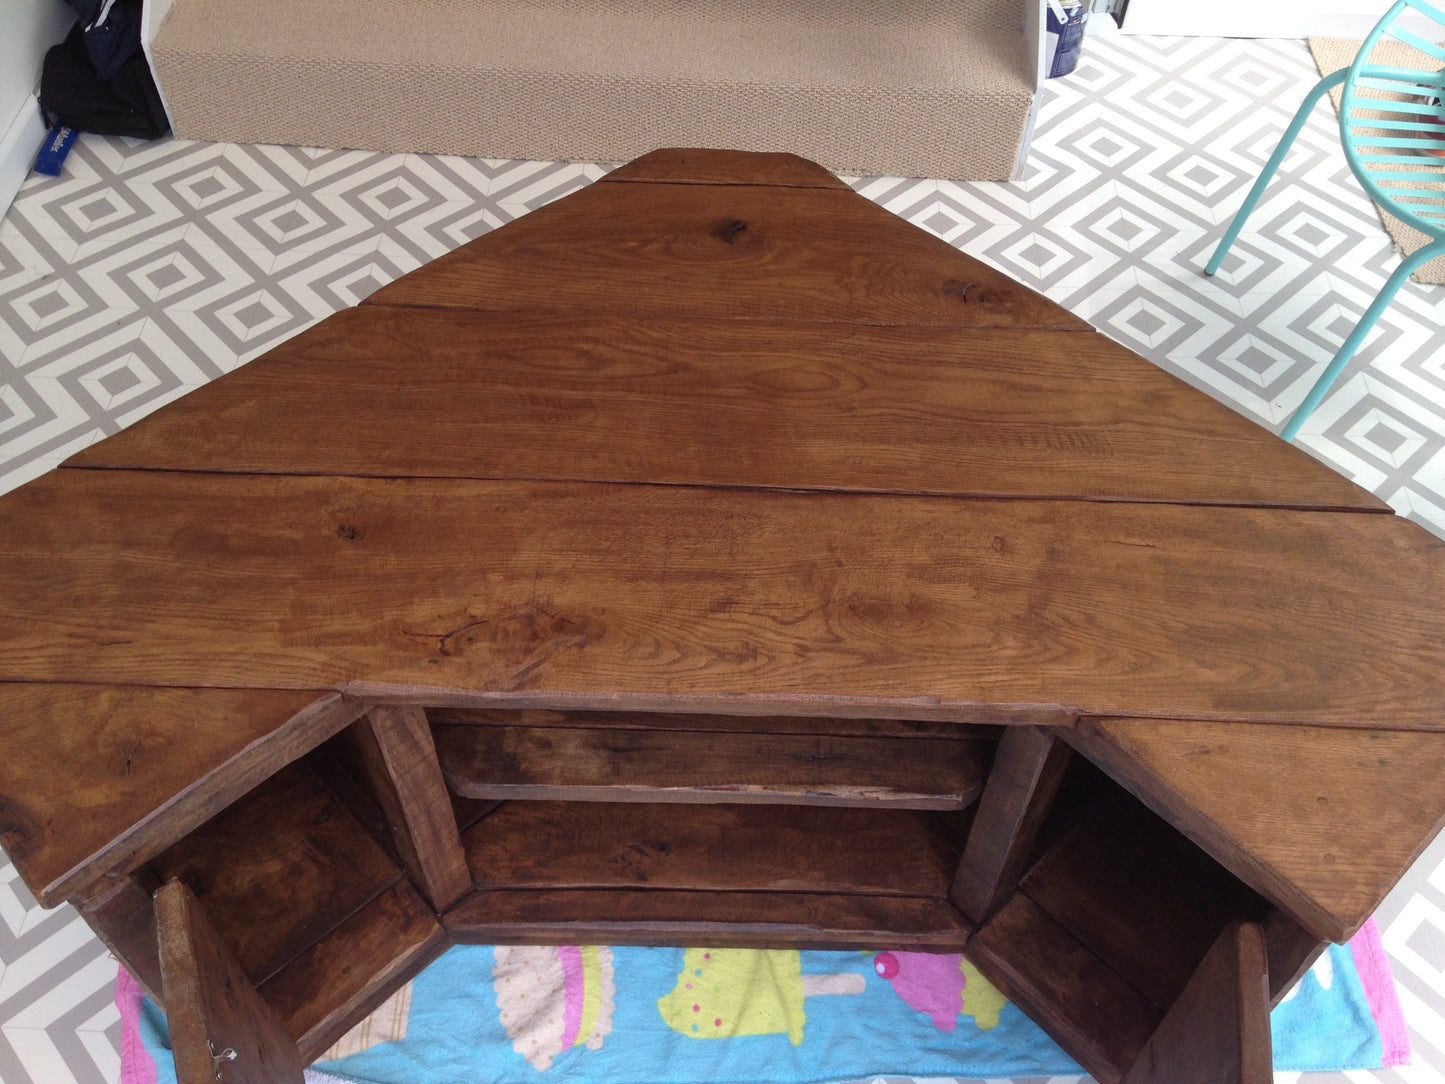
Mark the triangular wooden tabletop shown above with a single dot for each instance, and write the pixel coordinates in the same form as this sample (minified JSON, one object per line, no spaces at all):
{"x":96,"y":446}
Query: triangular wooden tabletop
{"x":715,"y":433}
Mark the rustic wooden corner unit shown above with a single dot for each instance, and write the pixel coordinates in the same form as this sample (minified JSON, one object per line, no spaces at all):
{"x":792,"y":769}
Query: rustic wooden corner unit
{"x":711,"y":557}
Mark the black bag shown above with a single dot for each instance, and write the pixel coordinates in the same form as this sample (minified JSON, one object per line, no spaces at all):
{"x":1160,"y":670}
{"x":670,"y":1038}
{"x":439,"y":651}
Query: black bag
{"x":112,"y":33}
{"x":73,"y":94}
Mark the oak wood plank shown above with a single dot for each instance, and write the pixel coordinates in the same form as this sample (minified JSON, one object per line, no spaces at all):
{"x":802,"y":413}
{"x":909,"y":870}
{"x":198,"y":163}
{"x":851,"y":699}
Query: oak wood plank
{"x":810,"y":726}
{"x":1081,"y":1002}
{"x":395,"y":755}
{"x":678,"y":165}
{"x":675,"y":766}
{"x":706,"y":402}
{"x":280,"y":869}
{"x":1026,"y":772}
{"x":746,"y":919}
{"x":730,"y":251}
{"x":1218,"y":1030}
{"x":143,"y":766}
{"x":1138,"y":894}
{"x":750,"y":602}
{"x":332,"y":986}
{"x":212,"y":1007}
{"x":720,"y":848}
{"x":1312,"y":818}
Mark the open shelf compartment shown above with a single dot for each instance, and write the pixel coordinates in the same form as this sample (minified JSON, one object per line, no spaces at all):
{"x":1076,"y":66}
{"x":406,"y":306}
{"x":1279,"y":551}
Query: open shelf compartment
{"x":316,"y":912}
{"x":1109,"y":925}
{"x":641,"y":829}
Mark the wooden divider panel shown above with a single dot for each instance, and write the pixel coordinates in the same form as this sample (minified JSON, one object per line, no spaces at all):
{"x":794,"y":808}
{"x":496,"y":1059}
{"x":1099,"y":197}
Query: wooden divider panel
{"x":217,"y":1020}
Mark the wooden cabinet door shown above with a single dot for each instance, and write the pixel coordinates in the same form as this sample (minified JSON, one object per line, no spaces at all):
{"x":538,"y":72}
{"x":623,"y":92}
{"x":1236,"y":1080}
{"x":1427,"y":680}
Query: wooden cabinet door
{"x":220,"y":1027}
{"x":1217,"y":1032}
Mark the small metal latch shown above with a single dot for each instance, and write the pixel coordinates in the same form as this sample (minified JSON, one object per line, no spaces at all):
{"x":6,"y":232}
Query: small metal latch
{"x":216,"y":1059}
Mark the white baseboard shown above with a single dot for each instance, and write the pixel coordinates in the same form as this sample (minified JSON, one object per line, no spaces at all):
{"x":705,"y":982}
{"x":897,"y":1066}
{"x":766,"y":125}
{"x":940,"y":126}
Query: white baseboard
{"x":18,"y":148}
{"x":153,"y":13}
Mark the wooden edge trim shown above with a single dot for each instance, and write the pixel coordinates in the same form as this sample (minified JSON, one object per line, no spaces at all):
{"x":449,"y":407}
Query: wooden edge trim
{"x":681,"y":165}
{"x":190,"y":808}
{"x":922,"y":709}
{"x":1091,"y":741}
{"x":670,"y":917}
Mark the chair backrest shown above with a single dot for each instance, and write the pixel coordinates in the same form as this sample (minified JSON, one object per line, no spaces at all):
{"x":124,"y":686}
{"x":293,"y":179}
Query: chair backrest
{"x":1392,"y":118}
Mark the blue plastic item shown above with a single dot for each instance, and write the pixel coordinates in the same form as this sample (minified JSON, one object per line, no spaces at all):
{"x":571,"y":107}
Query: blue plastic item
{"x":51,"y":159}
{"x":1065,"y":27}
{"x":1392,"y":129}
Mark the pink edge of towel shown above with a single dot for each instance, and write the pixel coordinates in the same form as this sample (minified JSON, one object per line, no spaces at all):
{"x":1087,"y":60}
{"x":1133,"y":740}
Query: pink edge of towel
{"x":1374,"y":968}
{"x":136,"y":1064}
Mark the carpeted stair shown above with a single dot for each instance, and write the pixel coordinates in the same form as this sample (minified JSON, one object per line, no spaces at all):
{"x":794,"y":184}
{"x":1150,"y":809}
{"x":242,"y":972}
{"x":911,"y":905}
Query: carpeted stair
{"x":930,"y":88}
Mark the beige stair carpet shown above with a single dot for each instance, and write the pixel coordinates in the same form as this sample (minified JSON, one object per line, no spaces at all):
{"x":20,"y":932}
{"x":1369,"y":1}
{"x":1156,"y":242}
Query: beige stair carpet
{"x":927,"y":88}
{"x":1332,"y":54}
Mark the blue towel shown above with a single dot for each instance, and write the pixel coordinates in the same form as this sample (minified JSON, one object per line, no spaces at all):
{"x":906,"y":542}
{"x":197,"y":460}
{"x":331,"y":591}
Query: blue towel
{"x":502,"y":1015}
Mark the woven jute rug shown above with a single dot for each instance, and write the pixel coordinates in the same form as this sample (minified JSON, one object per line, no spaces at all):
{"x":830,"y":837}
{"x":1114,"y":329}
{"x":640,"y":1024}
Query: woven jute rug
{"x":1332,"y":54}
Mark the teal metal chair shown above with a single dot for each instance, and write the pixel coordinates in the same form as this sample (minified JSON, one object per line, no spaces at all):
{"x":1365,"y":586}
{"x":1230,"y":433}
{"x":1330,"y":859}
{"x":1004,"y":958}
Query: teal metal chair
{"x":1392,"y":127}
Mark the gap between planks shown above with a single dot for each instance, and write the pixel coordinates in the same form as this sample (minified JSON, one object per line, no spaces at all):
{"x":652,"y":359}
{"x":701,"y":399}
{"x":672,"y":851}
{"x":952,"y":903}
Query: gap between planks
{"x":832,"y":491}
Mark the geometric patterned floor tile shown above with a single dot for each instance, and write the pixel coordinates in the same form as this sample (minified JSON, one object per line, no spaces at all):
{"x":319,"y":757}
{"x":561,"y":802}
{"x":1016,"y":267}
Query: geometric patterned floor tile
{"x":152,"y":268}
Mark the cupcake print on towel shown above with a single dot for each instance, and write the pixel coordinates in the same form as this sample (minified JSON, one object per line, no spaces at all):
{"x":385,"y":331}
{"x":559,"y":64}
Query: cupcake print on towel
{"x":552,"y":999}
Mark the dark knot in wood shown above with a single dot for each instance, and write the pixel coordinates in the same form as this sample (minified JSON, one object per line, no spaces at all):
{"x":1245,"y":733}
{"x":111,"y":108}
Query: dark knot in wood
{"x":729,"y":232}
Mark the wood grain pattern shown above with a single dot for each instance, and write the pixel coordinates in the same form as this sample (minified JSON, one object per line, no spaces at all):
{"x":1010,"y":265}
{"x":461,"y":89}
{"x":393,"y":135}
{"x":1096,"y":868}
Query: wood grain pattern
{"x":1218,"y":1030}
{"x":213,"y":1008}
{"x":397,"y":759}
{"x":332,"y":986}
{"x":1138,"y":894}
{"x":279,"y":870}
{"x":675,"y":766}
{"x":748,"y":602}
{"x":1311,"y":818}
{"x":708,"y":402}
{"x":730,"y":251}
{"x":677,"y":165}
{"x":1026,"y":772}
{"x":142,"y":766}
{"x":1096,"y":1016}
{"x":716,"y":848}
{"x":746,"y":919}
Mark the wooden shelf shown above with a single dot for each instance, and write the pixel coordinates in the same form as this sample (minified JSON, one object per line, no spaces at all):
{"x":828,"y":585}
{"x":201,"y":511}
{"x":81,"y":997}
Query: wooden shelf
{"x":1109,"y":924}
{"x":718,"y":848}
{"x":674,"y":766}
{"x":745,"y":919}
{"x":348,"y":973}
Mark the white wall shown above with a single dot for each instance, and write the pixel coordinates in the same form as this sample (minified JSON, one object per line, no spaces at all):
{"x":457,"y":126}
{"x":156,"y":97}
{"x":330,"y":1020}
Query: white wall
{"x":27,"y":29}
{"x":1259,"y":18}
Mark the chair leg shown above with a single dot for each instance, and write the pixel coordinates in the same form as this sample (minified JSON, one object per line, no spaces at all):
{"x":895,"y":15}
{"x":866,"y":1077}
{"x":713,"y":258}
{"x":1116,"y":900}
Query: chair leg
{"x":1286,"y":141}
{"x":1351,"y":344}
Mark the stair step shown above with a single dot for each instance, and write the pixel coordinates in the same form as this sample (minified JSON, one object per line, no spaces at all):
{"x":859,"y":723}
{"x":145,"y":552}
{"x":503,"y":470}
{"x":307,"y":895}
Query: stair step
{"x":936,"y":88}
